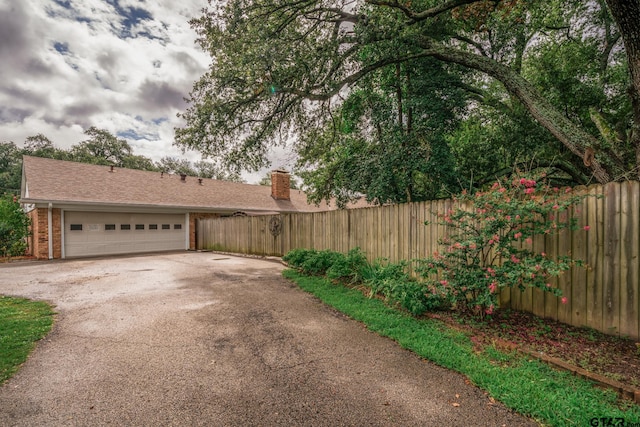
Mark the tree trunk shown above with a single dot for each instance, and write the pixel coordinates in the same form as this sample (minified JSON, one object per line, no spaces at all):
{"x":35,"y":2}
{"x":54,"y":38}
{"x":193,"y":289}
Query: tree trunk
{"x":568,"y":133}
{"x":626,"y":13}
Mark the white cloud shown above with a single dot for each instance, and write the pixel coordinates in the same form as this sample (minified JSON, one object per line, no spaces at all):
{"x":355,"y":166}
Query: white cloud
{"x":120,"y":65}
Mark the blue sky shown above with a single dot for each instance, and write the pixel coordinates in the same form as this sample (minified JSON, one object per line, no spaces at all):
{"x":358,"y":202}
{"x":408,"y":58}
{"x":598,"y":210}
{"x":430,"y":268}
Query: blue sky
{"x":120,"y":65}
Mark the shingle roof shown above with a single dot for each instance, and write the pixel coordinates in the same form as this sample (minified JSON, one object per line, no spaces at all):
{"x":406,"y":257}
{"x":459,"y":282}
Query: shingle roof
{"x":57,"y":181}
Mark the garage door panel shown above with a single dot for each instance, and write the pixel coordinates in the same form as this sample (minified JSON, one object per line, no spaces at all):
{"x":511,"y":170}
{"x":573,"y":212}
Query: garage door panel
{"x":96,"y":239}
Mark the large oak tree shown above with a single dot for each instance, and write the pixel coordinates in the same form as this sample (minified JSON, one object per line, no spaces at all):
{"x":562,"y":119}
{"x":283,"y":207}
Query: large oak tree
{"x":283,"y":67}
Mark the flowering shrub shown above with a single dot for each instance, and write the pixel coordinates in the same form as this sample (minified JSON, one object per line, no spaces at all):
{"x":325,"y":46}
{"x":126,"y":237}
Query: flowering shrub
{"x":489,"y":243}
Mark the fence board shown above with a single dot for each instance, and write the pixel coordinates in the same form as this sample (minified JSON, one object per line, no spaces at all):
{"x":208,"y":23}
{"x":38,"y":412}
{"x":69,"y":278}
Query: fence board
{"x":564,"y":281}
{"x":611,"y":279}
{"x":604,"y":295}
{"x":579,"y":250}
{"x":538,"y":295}
{"x":629,"y":199}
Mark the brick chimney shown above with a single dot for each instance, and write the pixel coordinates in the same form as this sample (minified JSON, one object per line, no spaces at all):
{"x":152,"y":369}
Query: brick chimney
{"x":280,"y":185}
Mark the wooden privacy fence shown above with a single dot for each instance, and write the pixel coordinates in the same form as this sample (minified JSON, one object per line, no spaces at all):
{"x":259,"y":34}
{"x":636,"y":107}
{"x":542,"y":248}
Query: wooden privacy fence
{"x":605,"y":295}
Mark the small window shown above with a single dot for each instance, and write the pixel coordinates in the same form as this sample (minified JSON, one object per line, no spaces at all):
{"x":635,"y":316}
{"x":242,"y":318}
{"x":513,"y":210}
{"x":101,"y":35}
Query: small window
{"x":125,"y":226}
{"x":166,"y":226}
{"x":139,"y":226}
{"x":153,"y":226}
{"x":76,"y":227}
{"x":109,"y":226}
{"x":177,"y":226}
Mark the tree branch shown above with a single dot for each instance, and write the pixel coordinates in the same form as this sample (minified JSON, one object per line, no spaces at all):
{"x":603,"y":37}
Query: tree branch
{"x":425,"y":14}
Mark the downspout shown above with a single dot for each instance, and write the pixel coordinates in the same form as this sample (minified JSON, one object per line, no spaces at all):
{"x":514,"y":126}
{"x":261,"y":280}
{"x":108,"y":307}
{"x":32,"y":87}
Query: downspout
{"x":50,"y":229}
{"x":188,"y":232}
{"x":62,"y":253}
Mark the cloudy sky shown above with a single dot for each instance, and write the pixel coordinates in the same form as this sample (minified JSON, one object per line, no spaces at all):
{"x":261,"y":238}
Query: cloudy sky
{"x":121,"y":65}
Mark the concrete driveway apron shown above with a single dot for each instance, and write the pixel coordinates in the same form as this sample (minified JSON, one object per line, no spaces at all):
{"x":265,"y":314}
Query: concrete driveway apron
{"x":215,"y":340}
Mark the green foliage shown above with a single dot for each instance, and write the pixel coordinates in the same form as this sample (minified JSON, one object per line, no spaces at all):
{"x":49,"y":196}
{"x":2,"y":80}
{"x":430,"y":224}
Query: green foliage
{"x":14,"y":227}
{"x":349,"y":268}
{"x":202,"y":169}
{"x":311,"y":261}
{"x":296,"y":257}
{"x":22,"y":323}
{"x":406,"y":158}
{"x":531,"y":388}
{"x":374,"y":92}
{"x":101,"y":148}
{"x":387,"y":280}
{"x":489,"y":243}
{"x":320,"y":262}
{"x":10,"y":168}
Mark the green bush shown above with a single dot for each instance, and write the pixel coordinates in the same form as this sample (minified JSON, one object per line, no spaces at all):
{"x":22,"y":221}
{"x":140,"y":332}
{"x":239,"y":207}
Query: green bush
{"x":312,"y":261}
{"x":296,"y":257}
{"x":386,"y":279}
{"x":320,"y":262}
{"x":14,"y":227}
{"x":349,"y":268}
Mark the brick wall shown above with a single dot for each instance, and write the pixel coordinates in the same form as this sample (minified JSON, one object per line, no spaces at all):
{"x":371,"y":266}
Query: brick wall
{"x":193,"y":216}
{"x":39,"y":240}
{"x":280,"y":185}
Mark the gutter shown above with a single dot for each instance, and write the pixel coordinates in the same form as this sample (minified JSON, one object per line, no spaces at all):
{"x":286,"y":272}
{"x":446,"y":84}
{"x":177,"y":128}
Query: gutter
{"x":65,"y":204}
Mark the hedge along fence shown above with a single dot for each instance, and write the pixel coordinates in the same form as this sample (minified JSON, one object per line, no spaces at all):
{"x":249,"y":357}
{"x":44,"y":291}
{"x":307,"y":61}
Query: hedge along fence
{"x":605,"y":295}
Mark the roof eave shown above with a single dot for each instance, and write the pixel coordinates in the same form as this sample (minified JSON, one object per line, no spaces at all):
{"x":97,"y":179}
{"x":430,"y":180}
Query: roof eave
{"x":70,"y":204}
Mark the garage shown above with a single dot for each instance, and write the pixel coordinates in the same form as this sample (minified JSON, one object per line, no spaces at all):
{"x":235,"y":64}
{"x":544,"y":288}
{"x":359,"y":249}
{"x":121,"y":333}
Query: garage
{"x":110,"y":233}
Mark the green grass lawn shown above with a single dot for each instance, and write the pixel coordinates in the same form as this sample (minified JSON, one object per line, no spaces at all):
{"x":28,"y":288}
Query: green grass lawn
{"x":22,"y":323}
{"x":527,"y":386}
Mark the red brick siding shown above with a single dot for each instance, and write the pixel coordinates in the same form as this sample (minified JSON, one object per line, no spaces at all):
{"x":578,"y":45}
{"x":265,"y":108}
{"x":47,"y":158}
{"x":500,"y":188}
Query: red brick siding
{"x":39,"y":240}
{"x":280,"y":185}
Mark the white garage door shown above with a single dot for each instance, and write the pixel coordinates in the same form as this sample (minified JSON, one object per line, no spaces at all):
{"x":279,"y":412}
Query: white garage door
{"x":98,"y":233}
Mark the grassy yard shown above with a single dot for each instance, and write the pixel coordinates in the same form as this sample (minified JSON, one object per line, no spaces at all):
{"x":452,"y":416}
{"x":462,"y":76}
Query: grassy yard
{"x":527,"y":386}
{"x":22,"y":323}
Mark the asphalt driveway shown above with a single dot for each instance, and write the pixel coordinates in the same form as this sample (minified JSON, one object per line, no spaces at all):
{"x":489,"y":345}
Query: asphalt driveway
{"x":208,"y":339}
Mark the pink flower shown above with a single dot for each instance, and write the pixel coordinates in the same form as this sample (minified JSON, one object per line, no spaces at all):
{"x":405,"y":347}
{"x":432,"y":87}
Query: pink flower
{"x":522,"y":181}
{"x":517,"y":235}
{"x":548,"y":285}
{"x":586,"y":228}
{"x":529,"y":241}
{"x":556,"y":206}
{"x":444,"y":282}
{"x":489,"y":310}
{"x":514,"y":259}
{"x":492,"y":287}
{"x":529,"y":190}
{"x":543,"y":253}
{"x":567,"y":190}
{"x":564,"y":300}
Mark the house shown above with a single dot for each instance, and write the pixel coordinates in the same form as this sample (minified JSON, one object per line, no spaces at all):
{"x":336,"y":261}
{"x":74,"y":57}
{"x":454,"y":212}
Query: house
{"x":79,"y":209}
